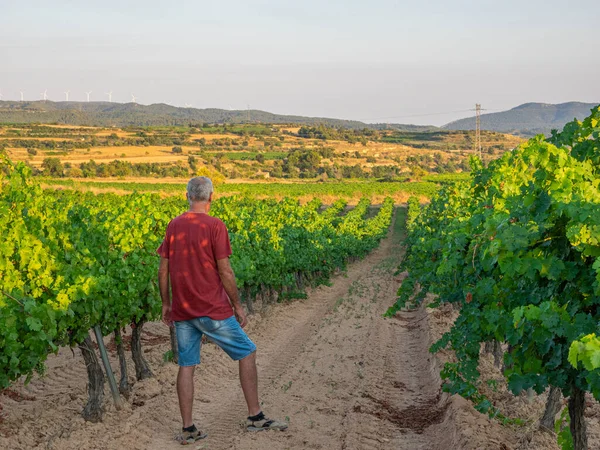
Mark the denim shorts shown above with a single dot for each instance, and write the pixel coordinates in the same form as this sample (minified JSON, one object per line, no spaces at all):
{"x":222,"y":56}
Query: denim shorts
{"x":227,"y":334}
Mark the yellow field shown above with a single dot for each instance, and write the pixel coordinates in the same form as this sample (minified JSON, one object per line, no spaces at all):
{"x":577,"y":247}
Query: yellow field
{"x":119,"y":133}
{"x":212,"y":137}
{"x":69,"y":126}
{"x":159,"y":154}
{"x":445,"y":147}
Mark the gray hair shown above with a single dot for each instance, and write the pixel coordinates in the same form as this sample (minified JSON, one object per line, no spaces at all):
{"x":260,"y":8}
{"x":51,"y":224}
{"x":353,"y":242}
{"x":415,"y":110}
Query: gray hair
{"x":199,"y":189}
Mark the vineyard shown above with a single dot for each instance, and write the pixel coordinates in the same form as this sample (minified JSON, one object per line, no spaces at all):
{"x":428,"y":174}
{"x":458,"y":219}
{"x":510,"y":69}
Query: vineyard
{"x":336,"y":190}
{"x":506,"y":260}
{"x":516,"y":252}
{"x":71,"y":261}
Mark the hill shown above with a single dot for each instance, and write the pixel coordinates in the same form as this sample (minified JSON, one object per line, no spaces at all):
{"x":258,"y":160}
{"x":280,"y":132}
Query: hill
{"x":527,"y":119}
{"x":132,"y":114}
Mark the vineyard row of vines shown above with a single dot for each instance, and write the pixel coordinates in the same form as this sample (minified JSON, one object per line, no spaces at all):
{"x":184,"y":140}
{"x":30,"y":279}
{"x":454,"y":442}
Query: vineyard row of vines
{"x":72,"y":261}
{"x":516,"y":249}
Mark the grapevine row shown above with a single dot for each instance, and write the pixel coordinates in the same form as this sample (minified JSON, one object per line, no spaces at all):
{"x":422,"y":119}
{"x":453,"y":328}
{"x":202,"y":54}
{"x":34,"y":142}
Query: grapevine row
{"x":70,"y":261}
{"x":517,"y":249}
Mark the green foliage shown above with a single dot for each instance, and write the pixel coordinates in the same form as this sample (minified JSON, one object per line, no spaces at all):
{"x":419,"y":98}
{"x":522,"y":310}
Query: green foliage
{"x":168,"y":356}
{"x":52,"y":167}
{"x":581,"y":138}
{"x":563,"y":431}
{"x":587,"y":351}
{"x":348,"y":190}
{"x":330,"y":133}
{"x":417,"y":172}
{"x":72,"y":260}
{"x":414,"y":208}
{"x":517,"y":247}
{"x":119,"y":168}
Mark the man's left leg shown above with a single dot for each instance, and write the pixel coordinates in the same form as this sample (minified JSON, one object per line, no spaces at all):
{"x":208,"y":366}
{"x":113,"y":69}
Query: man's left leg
{"x":228,"y":335}
{"x":249,"y":382}
{"x":188,"y":342}
{"x":256,"y":421}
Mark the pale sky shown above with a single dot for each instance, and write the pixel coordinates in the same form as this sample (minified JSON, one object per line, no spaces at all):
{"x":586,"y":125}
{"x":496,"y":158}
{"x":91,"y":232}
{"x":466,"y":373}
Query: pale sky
{"x":376,"y":60}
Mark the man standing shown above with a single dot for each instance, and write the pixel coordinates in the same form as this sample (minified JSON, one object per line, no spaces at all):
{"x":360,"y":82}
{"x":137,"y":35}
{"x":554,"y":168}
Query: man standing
{"x":194,"y":263}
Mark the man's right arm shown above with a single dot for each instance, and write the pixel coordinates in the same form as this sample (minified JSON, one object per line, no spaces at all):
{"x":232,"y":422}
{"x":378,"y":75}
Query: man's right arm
{"x":228,"y":280}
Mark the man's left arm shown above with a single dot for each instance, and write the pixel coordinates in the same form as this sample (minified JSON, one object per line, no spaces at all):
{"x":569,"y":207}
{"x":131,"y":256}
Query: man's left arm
{"x":163,"y":284}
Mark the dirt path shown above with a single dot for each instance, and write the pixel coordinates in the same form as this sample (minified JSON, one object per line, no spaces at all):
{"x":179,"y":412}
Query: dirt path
{"x":344,"y":378}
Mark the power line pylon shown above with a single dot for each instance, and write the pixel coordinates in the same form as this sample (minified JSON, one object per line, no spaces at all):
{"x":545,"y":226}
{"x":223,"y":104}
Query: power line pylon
{"x":478,"y":129}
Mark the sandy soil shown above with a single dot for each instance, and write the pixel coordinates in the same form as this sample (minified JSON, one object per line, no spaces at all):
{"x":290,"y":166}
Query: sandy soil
{"x":330,"y":365}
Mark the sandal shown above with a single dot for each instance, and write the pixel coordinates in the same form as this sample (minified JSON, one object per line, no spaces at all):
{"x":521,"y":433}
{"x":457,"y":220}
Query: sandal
{"x":260,"y":422}
{"x":190,"y":436}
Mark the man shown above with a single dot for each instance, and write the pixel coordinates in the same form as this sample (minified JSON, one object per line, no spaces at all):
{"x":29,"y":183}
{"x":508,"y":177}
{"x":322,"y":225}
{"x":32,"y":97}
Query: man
{"x":194,"y":263}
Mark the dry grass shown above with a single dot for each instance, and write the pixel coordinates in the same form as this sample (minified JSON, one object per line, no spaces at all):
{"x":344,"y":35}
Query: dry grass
{"x":133,"y":154}
{"x":290,"y":129}
{"x":119,"y":133}
{"x":70,"y":126}
{"x":210,"y":137}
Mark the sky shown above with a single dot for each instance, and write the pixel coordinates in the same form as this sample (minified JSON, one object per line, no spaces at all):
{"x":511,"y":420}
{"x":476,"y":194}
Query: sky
{"x":425,"y":62}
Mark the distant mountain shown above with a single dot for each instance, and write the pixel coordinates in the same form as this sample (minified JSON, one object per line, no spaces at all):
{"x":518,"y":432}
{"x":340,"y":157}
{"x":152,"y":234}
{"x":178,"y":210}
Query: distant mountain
{"x":133,"y":114}
{"x":527,"y":119}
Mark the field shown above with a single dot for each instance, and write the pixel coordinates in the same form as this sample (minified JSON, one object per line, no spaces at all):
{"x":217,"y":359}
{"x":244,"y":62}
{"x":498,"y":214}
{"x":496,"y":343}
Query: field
{"x":327,"y":192}
{"x":342,"y":377}
{"x":244,"y":152}
{"x":258,"y":160}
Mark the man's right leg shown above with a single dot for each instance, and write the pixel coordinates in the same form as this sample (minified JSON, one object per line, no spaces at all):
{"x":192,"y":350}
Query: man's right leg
{"x":188,"y":342}
{"x":185,"y":392}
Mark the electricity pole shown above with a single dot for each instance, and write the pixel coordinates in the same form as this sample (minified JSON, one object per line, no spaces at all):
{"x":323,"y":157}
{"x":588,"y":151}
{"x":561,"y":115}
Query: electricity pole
{"x":478,"y":129}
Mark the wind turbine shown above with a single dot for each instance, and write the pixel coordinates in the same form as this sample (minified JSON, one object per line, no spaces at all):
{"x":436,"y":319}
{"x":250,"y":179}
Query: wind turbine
{"x":132,"y":98}
{"x":21,"y":95}
{"x":44,"y":95}
{"x":109,"y":96}
{"x":88,"y":96}
{"x":67,"y":95}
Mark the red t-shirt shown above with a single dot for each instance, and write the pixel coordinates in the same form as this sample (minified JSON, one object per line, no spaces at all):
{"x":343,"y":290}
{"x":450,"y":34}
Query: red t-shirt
{"x":193,"y":244}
